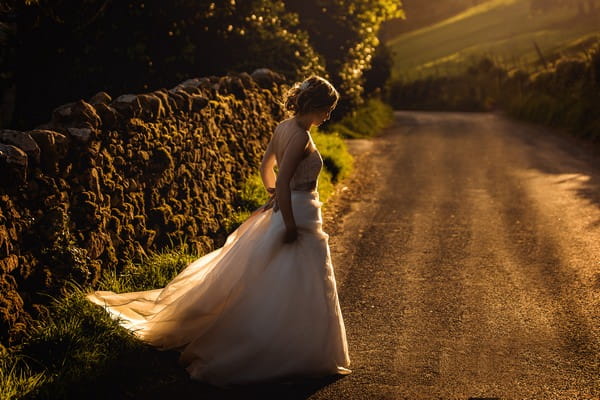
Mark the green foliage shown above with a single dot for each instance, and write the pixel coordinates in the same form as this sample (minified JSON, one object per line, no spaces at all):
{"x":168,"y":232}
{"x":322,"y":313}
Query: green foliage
{"x":251,"y":196}
{"x":449,"y":46}
{"x":345,"y":33}
{"x":253,"y":193}
{"x":17,"y":380}
{"x":269,"y":37}
{"x":380,"y":72}
{"x":326,"y":186}
{"x":366,"y":121}
{"x":73,"y":342}
{"x":238,"y":218}
{"x":564,"y":94}
{"x":336,"y":159}
{"x":151,"y":272}
{"x":157,"y":45}
{"x":76,"y":344}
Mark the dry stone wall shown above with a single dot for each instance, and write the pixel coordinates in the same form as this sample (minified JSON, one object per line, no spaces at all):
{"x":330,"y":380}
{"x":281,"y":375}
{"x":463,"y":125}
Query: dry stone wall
{"x":109,"y":179}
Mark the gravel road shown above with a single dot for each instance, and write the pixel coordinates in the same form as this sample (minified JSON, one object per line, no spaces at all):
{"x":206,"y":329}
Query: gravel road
{"x":468,"y":263}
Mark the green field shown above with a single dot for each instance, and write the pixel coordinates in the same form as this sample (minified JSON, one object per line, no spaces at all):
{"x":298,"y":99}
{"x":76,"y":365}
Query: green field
{"x":502,"y":29}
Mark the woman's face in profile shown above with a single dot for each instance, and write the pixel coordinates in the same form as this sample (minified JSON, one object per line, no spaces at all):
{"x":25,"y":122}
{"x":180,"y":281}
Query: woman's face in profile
{"x":322,"y":116}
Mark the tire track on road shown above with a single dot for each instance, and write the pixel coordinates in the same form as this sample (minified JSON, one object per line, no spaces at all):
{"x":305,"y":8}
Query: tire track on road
{"x":371,"y":293}
{"x":435,"y":301}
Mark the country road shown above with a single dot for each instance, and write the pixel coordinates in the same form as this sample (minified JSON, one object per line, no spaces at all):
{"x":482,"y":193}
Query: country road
{"x":469,"y":264}
{"x":467,"y":256}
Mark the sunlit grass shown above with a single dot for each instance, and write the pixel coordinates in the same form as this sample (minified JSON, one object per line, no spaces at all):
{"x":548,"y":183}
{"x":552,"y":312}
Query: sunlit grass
{"x":251,"y":196}
{"x":76,"y":345}
{"x":151,"y":272}
{"x":366,"y":121}
{"x":16,"y":378}
{"x":336,"y":159}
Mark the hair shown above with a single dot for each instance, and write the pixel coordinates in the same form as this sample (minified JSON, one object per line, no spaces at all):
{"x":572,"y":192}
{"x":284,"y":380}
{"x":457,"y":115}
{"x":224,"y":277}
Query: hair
{"x":312,"y":94}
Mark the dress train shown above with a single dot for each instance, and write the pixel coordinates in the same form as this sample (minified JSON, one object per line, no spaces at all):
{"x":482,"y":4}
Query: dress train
{"x":253,"y":310}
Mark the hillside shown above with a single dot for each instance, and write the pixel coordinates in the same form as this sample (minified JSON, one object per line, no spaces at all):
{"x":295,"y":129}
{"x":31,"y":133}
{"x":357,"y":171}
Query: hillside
{"x":419,"y":14}
{"x":504,"y":29}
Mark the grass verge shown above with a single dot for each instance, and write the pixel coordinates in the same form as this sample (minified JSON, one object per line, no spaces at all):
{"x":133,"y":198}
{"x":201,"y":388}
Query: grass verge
{"x":76,"y":346}
{"x":366,"y":121}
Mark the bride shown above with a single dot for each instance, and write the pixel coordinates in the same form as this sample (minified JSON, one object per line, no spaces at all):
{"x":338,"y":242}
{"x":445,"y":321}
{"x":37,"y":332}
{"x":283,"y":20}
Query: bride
{"x":264,"y":306}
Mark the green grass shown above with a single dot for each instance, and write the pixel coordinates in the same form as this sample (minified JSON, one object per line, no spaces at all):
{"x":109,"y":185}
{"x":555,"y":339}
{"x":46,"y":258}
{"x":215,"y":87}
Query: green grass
{"x":251,"y":196}
{"x":150,"y":272}
{"x":336,"y":160}
{"x":367,"y":121}
{"x":76,"y":345}
{"x":16,"y":378}
{"x":501,"y":29}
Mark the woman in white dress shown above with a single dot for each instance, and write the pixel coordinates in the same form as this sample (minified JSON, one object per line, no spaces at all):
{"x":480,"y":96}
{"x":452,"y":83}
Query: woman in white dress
{"x":264,"y":306}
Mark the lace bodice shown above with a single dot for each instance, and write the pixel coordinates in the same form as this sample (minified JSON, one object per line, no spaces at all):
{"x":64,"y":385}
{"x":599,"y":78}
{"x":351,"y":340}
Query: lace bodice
{"x":307,"y":172}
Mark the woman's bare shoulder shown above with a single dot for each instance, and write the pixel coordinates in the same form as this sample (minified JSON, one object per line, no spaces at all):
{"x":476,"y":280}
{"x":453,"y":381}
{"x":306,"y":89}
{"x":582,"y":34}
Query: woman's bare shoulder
{"x":288,"y":129}
{"x":281,"y":126}
{"x":289,"y":125}
{"x":283,"y":123}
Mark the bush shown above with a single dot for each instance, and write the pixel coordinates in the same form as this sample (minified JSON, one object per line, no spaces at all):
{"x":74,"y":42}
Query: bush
{"x":564,"y":96}
{"x":156,"y":45}
{"x":366,"y":121}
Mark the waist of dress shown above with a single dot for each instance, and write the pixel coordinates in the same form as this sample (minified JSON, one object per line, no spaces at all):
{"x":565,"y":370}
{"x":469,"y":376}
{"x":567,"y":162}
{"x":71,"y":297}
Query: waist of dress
{"x":305,"y":186}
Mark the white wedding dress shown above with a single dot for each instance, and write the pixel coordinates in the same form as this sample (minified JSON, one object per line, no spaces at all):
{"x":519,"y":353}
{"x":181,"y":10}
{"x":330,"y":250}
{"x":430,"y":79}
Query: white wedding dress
{"x":255,"y":309}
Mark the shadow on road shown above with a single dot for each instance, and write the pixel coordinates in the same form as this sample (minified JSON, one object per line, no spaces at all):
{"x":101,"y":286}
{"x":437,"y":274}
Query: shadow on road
{"x":297,"y":390}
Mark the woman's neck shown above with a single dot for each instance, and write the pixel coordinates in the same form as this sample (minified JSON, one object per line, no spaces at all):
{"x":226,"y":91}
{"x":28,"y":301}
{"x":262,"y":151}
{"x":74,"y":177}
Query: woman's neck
{"x":304,"y":121}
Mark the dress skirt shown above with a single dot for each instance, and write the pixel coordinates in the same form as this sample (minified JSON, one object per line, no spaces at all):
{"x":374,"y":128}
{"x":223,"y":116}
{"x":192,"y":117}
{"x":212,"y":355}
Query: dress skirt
{"x":253,"y":310}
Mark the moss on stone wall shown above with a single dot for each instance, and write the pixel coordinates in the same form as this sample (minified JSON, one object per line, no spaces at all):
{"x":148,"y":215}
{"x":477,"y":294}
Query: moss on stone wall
{"x":107,"y":180}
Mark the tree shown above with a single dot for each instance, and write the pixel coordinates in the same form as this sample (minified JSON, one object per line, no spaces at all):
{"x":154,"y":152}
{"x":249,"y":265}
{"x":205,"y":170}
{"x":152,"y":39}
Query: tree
{"x":344,"y":32}
{"x":8,"y":58}
{"x":380,"y":71}
{"x":70,"y":49}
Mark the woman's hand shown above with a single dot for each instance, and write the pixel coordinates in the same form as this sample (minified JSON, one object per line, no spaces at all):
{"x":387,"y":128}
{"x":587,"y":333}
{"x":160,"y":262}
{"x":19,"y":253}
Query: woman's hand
{"x":290,"y":235}
{"x":272,"y":202}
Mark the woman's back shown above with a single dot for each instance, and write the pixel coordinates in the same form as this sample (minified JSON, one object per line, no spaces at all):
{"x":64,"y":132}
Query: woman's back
{"x":307,"y":171}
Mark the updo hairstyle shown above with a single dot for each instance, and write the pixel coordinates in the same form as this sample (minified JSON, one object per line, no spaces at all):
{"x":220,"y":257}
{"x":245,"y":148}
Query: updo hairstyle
{"x":313,"y":94}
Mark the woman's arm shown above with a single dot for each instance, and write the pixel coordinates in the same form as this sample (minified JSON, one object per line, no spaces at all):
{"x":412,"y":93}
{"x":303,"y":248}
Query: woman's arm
{"x":292,"y":157}
{"x":266,"y":167}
